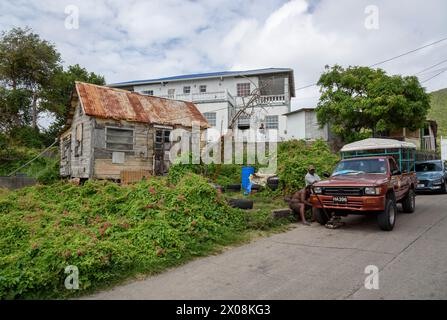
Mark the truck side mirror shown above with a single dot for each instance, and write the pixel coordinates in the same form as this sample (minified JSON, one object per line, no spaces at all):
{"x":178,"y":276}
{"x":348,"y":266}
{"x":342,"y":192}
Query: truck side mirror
{"x":326,"y":174}
{"x":396,"y":173}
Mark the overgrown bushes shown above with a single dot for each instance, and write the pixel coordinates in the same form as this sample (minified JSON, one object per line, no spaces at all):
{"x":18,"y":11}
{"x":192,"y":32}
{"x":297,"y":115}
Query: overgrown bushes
{"x":109,"y":232}
{"x":44,"y":169}
{"x":294,"y":158}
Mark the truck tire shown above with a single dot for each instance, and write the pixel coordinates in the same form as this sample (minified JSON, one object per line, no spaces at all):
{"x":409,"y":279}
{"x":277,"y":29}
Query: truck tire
{"x":409,"y":202}
{"x":320,"y":216}
{"x":241,"y":203}
{"x":387,"y":218}
{"x":273,"y":182}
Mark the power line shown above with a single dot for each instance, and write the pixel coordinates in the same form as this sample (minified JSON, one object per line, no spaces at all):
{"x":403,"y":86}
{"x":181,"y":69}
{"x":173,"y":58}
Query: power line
{"x":439,"y":73}
{"x":408,"y":52}
{"x":387,"y":60}
{"x":433,"y":71}
{"x":431,"y":67}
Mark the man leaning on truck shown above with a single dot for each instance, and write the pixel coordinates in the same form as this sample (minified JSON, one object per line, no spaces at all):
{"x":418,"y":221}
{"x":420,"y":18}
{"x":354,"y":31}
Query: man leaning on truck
{"x":311,"y":177}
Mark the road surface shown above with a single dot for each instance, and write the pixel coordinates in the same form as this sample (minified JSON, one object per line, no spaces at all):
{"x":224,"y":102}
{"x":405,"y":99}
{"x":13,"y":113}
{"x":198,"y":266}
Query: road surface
{"x":317,"y":263}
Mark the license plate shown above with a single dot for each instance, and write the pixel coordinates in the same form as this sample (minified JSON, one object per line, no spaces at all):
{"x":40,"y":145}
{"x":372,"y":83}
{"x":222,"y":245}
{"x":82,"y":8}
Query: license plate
{"x":421,"y":185}
{"x":340,"y":199}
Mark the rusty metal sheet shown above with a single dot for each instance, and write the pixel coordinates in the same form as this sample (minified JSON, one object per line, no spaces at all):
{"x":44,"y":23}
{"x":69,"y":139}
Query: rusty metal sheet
{"x":117,"y":104}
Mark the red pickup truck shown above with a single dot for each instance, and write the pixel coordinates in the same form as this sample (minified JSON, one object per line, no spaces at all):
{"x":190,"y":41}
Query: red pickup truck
{"x":369,"y":180}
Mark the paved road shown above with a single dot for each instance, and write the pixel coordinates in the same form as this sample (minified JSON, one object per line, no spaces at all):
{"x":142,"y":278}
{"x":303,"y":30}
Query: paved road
{"x":318,"y":263}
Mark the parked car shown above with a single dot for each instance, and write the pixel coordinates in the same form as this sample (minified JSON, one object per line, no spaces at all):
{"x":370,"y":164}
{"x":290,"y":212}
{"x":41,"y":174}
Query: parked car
{"x":432,"y":176}
{"x":372,"y":177}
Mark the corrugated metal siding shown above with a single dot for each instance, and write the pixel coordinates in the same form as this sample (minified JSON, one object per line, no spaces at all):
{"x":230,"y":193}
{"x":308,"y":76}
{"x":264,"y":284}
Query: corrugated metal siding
{"x":108,"y":103}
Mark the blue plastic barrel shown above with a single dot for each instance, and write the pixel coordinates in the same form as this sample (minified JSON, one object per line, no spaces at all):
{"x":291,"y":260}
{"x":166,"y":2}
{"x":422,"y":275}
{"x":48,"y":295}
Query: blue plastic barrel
{"x":246,"y":172}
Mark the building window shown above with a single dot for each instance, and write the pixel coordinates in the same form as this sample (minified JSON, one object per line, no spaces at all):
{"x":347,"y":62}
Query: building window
{"x":243,"y":89}
{"x":271,"y":122}
{"x":171,"y":92}
{"x":186,"y":89}
{"x":119,"y":139}
{"x":211,"y":117}
{"x":202,"y":88}
{"x":148,"y":92}
{"x":243,"y":122}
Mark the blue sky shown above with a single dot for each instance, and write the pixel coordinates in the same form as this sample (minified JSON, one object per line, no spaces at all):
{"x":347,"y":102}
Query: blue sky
{"x":128,"y":40}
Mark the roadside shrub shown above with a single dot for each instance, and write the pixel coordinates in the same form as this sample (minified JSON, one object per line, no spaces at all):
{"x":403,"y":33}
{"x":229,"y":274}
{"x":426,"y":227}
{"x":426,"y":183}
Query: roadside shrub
{"x":107,"y":231}
{"x":294,"y":158}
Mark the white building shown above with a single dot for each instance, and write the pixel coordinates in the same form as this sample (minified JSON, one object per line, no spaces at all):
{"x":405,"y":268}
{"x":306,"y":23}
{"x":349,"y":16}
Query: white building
{"x":303,"y":124}
{"x":219,"y":95}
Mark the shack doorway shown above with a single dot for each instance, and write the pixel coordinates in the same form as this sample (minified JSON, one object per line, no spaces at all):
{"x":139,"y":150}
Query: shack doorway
{"x":162,"y":146}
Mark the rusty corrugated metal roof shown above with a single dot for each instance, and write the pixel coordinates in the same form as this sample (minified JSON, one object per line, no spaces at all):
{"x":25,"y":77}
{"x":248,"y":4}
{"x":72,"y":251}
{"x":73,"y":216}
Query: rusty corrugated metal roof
{"x":117,"y":104}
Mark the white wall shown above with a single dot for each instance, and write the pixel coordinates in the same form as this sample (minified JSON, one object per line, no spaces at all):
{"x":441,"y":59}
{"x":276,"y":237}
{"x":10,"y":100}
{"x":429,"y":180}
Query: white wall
{"x":221,"y":110}
{"x":218,"y":85}
{"x":213,"y":85}
{"x":296,"y":126}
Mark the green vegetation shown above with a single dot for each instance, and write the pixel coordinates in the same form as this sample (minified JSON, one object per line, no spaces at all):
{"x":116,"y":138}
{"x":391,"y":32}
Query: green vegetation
{"x":111,"y":232}
{"x":360,"y":101}
{"x":44,"y":169}
{"x":294,"y":158}
{"x":438,"y":102}
{"x":33,"y":82}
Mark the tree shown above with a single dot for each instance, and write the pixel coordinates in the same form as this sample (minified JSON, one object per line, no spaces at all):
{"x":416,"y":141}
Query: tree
{"x":27,"y":62}
{"x":56,"y":97}
{"x":360,"y":101}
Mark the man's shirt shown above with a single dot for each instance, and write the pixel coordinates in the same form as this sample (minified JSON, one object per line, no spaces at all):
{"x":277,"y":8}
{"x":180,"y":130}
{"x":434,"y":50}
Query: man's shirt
{"x":310,"y":179}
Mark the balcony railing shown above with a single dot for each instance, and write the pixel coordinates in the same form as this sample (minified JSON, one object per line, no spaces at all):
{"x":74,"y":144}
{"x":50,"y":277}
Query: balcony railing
{"x":203,"y":97}
{"x":274,"y":99}
{"x":216,"y":96}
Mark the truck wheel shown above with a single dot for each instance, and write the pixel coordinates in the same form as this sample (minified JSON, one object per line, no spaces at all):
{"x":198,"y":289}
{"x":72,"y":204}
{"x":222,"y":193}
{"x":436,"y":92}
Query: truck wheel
{"x":387,"y":218}
{"x":320,"y":216}
{"x":409,"y":202}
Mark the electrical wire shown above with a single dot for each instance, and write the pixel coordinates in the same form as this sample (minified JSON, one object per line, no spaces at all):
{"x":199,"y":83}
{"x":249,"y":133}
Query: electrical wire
{"x":387,"y":60}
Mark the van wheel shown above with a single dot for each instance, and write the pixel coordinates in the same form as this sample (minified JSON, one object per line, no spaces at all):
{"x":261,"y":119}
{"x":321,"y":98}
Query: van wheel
{"x":387,"y":218}
{"x":409,"y":202}
{"x":320,"y":216}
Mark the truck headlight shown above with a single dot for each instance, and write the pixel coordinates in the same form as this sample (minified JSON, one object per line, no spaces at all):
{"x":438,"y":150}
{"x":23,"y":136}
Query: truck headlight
{"x":318,"y":190}
{"x":437,"y":181}
{"x":372,"y":190}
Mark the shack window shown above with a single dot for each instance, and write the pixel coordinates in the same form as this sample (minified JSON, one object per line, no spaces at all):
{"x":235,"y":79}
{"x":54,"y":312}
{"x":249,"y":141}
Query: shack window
{"x":202,"y":88}
{"x":78,"y":140}
{"x":148,"y":92}
{"x":119,"y":139}
{"x":187,"y":89}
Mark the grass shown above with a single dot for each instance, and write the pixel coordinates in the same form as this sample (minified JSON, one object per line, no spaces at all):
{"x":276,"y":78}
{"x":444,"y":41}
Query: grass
{"x":113,"y":233}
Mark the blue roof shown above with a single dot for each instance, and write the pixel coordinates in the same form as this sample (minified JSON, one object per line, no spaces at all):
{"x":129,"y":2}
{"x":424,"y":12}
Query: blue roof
{"x":204,"y":76}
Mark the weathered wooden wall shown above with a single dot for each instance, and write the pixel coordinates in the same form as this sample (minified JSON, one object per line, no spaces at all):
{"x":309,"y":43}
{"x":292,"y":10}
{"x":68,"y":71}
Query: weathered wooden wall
{"x":78,"y":165}
{"x":96,"y":160}
{"x":140,"y":158}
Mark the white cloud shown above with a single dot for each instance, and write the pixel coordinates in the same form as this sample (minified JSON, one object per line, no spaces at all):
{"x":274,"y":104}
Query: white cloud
{"x":127,"y":40}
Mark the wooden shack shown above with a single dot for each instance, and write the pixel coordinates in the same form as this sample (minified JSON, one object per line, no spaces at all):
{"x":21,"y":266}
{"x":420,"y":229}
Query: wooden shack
{"x":112,"y":132}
